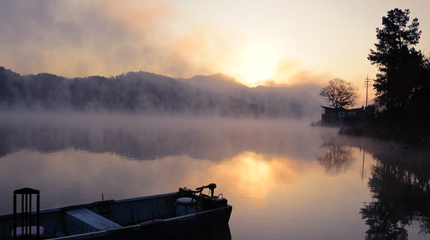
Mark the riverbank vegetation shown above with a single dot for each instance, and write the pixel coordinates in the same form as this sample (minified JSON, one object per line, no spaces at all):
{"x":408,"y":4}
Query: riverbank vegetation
{"x":402,"y":84}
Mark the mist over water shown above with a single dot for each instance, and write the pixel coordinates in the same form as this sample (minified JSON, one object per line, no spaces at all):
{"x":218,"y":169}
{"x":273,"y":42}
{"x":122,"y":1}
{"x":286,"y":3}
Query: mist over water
{"x":80,"y":153}
{"x":146,"y":93}
{"x":283,"y":178}
{"x":149,"y":137}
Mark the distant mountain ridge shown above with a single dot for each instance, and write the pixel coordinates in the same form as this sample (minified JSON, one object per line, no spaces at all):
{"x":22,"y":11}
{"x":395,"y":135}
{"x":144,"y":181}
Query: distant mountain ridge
{"x":218,"y":82}
{"x":150,"y":93}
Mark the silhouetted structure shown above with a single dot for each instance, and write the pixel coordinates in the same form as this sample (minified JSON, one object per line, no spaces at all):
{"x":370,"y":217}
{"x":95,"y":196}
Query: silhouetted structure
{"x":27,"y":230}
{"x":336,"y":116}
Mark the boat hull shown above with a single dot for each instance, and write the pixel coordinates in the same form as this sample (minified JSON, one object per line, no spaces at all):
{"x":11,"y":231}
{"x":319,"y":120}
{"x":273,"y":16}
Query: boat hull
{"x":152,"y":217}
{"x":210,"y":224}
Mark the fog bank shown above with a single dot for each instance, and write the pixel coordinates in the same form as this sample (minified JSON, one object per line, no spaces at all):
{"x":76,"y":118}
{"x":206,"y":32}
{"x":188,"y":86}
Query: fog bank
{"x":149,"y":93}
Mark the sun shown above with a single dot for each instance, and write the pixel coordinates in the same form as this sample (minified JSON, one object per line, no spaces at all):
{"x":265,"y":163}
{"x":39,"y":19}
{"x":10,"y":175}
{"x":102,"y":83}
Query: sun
{"x":255,"y":63}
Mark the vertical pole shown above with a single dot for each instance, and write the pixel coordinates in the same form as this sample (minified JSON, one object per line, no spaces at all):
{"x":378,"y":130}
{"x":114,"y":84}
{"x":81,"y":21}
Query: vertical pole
{"x":38,"y":215}
{"x":14,"y":216}
{"x":366,"y":84}
{"x":367,"y":88}
{"x":362,"y":168}
{"x":29,"y":217}
{"x":26,"y":215}
{"x":22,"y":215}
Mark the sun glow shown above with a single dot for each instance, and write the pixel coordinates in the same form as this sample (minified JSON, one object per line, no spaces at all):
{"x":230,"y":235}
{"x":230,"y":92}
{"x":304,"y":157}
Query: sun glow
{"x":258,"y":171}
{"x":256,"y":63}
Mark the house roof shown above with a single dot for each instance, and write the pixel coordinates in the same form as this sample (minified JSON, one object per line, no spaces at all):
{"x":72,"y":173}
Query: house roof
{"x":341,"y":108}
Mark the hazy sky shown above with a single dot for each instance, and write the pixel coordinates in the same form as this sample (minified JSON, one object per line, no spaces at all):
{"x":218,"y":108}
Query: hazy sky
{"x":254,"y":41}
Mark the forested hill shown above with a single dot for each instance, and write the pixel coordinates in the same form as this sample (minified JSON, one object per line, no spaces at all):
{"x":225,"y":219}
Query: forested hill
{"x":143,"y":92}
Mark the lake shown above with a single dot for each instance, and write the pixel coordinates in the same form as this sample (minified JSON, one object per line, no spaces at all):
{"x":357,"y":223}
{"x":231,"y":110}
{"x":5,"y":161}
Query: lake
{"x":284,"y":179}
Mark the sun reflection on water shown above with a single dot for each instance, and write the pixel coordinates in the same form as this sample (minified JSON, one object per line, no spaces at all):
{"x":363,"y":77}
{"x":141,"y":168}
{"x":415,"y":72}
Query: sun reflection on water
{"x":260,"y":173}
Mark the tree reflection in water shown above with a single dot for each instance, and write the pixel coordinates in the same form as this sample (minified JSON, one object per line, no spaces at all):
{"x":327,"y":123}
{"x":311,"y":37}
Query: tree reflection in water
{"x":337,"y":159}
{"x":399,"y":185}
{"x":400,"y":189}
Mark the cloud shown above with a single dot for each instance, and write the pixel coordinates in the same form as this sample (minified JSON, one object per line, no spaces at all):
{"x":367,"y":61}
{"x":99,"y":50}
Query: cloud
{"x":106,"y":37}
{"x":290,"y":72}
{"x":81,"y":38}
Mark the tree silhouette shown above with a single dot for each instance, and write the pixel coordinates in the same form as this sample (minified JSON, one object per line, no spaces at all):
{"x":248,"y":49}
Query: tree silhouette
{"x":396,"y":59}
{"x":340,"y":93}
{"x":403,"y":82}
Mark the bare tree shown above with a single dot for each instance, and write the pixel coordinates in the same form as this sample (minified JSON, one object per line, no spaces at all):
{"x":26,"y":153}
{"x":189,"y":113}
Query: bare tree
{"x":340,"y":93}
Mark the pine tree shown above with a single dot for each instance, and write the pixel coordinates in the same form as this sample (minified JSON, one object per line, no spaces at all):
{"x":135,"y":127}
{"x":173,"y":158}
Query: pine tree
{"x":396,"y":59}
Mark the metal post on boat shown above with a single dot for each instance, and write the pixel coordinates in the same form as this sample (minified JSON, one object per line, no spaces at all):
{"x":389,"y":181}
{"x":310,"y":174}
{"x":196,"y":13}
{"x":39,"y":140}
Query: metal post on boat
{"x":14,"y":216}
{"x":23,"y":214}
{"x":29,"y":218}
{"x":38,"y":214}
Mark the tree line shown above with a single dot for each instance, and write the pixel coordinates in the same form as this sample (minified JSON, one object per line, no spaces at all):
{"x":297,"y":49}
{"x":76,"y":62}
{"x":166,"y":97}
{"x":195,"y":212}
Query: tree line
{"x":131,"y":92}
{"x":147,"y":93}
{"x":402,"y":84}
{"x":403,"y":81}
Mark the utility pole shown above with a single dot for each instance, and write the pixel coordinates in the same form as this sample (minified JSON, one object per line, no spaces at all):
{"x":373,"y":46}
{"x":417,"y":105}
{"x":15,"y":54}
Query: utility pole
{"x":362,"y":168}
{"x":366,"y":85}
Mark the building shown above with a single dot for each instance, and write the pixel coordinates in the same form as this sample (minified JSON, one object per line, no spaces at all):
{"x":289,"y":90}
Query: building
{"x":336,"y":116}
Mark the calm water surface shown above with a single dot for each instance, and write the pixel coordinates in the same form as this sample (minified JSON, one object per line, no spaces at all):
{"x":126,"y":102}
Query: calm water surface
{"x":284,"y":179}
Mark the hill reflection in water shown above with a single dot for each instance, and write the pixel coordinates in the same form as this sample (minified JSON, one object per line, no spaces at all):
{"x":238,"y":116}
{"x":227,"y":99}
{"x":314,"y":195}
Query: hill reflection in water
{"x":149,"y":138}
{"x":284,"y":179}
